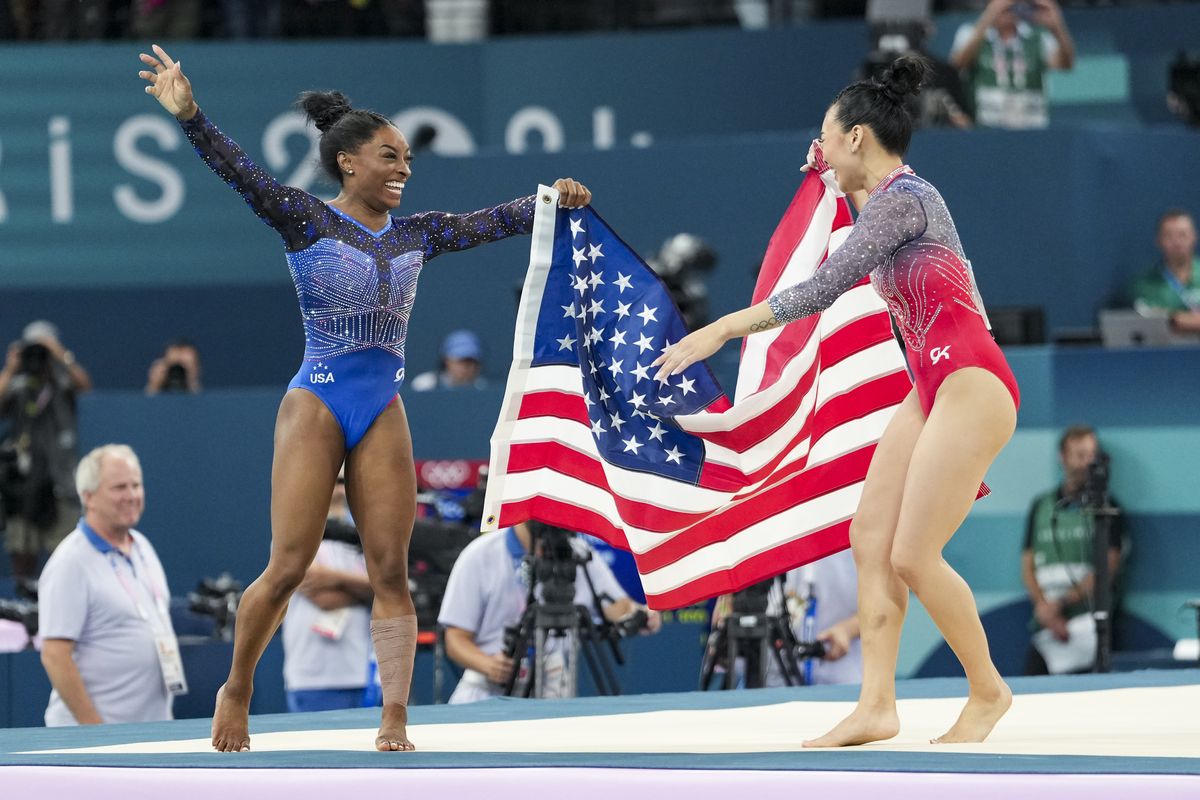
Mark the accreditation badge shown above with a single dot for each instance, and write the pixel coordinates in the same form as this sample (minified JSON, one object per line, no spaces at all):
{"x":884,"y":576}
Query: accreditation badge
{"x":171,"y":664}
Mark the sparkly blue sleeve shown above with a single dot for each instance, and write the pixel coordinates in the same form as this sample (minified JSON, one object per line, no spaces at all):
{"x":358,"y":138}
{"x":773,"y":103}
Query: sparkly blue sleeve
{"x":290,"y":211}
{"x":445,"y":233}
{"x":887,"y":222}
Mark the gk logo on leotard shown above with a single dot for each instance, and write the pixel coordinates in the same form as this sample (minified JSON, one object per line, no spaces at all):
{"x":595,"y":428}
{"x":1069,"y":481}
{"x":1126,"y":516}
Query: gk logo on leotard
{"x":320,"y":377}
{"x":938,"y":353}
{"x":399,"y":375}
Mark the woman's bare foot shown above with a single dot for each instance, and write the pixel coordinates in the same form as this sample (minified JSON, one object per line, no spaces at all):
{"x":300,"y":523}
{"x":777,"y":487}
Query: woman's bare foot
{"x":392,"y":734}
{"x":862,"y":726}
{"x":979,"y":716}
{"x":231,"y":722}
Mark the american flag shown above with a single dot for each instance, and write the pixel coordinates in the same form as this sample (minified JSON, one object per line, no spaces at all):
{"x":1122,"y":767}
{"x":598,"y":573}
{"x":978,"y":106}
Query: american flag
{"x":709,"y":496}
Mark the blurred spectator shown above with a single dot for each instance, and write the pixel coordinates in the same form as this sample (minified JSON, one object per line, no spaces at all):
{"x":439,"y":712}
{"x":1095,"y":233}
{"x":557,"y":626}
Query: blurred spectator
{"x":487,"y":592}
{"x":1006,"y":55}
{"x":176,"y":370}
{"x":825,"y":597}
{"x":904,"y":27}
{"x":107,"y":642}
{"x":169,"y":19}
{"x":1183,"y":95}
{"x":73,"y":19}
{"x":38,"y":387}
{"x":252,"y":19}
{"x":683,"y":263}
{"x":462,"y":365}
{"x":327,"y":629}
{"x":1173,"y":284}
{"x":1058,"y":556}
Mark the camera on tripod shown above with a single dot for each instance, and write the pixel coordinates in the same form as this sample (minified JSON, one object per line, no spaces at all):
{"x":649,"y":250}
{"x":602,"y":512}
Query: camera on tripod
{"x":553,"y":621}
{"x":24,"y":609}
{"x":1095,"y":485}
{"x":217,"y":598}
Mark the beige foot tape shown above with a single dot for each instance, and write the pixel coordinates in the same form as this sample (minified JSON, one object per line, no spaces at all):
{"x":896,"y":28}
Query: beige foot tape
{"x":395,"y":648}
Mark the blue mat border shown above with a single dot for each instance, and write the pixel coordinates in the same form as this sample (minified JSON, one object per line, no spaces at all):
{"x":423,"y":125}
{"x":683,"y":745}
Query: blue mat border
{"x":844,"y":761}
{"x":13,"y":741}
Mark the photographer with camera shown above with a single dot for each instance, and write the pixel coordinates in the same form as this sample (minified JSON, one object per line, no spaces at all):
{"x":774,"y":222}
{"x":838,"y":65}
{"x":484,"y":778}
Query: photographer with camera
{"x":38,"y":388}
{"x":108,"y":645}
{"x":176,"y":370}
{"x":1058,"y":564}
{"x":327,"y":629}
{"x":824,"y":595}
{"x":1005,"y":56}
{"x":487,"y":594}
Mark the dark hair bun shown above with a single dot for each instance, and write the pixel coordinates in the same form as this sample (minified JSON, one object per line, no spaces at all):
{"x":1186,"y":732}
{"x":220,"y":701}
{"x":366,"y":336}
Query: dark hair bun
{"x":903,"y":76}
{"x":324,"y":108}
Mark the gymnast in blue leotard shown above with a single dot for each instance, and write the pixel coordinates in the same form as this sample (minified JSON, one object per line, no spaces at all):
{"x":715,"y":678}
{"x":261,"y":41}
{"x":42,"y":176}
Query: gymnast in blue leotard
{"x":356,"y":285}
{"x":355,"y":267}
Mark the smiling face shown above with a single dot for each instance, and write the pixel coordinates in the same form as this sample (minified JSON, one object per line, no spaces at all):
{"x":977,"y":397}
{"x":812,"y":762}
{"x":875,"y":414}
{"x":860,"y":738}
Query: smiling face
{"x":119,"y":499}
{"x":377,"y":172}
{"x":843,"y":151}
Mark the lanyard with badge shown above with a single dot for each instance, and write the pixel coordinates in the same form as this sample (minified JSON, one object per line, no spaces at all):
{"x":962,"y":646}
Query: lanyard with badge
{"x":166,"y":646}
{"x":1188,"y":298}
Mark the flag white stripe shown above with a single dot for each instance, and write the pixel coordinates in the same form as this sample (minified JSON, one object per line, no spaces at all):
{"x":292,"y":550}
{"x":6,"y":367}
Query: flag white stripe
{"x":787,"y":526}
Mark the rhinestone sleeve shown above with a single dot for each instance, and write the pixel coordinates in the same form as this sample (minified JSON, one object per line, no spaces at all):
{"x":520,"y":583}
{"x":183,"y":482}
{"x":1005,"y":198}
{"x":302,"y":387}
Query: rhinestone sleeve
{"x":445,"y":233}
{"x":887,"y":222}
{"x":290,"y":211}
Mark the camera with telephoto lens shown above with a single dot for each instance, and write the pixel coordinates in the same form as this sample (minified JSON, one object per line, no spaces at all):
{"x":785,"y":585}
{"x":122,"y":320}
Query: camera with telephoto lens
{"x":176,"y":379}
{"x":217,"y":598}
{"x":34,"y":359}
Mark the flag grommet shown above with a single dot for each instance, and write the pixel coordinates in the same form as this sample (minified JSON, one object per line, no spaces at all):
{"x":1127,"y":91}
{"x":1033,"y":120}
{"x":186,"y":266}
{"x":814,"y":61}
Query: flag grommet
{"x":545,"y":198}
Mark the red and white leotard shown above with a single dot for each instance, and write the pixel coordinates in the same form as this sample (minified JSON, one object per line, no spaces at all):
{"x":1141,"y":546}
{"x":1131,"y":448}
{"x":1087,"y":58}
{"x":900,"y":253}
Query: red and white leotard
{"x":905,"y":239}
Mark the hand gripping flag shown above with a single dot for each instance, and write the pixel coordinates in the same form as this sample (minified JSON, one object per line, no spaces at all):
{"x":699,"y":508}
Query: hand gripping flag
{"x":709,"y":496}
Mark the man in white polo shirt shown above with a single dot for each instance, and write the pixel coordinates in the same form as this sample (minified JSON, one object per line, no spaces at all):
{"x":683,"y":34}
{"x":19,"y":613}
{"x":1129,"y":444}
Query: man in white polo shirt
{"x":327,"y":630}
{"x":486,"y":593}
{"x":107,"y":641}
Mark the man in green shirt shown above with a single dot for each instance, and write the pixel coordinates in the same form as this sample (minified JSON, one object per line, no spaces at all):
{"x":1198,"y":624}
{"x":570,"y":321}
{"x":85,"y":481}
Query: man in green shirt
{"x":1005,"y":56}
{"x":1173,"y":284}
{"x":1056,"y":563}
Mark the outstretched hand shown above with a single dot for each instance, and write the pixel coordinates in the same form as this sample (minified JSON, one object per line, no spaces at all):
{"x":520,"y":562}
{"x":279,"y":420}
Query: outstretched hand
{"x":694,"y":347}
{"x":168,"y":84}
{"x":572,"y":193}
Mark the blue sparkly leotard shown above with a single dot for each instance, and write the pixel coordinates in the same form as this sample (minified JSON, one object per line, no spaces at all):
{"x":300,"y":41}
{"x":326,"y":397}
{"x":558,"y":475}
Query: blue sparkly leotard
{"x":356,"y":286}
{"x":906,"y":240}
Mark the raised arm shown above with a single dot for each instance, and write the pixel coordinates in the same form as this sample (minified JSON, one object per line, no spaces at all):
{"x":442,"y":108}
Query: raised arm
{"x":286,"y":209}
{"x":445,"y":233}
{"x":886,"y":223}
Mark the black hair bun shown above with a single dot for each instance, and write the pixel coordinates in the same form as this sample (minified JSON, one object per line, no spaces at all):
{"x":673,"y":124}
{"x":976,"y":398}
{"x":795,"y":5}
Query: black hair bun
{"x":324,"y":108}
{"x":903,"y":77}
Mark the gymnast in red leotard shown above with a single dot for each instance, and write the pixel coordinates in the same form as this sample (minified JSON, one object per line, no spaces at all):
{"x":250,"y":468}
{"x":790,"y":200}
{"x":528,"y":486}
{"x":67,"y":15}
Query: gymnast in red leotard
{"x":928,"y":466}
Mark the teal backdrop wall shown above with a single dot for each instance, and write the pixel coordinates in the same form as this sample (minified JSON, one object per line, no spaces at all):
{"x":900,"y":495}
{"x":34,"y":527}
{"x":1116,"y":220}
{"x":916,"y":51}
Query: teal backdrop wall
{"x":112,"y":227}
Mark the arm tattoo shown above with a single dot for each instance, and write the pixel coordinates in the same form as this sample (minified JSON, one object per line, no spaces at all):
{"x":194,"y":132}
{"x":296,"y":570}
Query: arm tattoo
{"x":764,"y":325}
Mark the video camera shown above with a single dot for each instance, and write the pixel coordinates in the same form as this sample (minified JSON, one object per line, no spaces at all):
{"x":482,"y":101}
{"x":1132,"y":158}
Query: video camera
{"x":24,"y":609}
{"x":217,"y":598}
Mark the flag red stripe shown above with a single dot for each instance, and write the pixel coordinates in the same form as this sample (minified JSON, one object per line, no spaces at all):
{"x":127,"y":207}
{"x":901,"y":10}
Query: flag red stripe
{"x":563,"y":515}
{"x":853,"y":404}
{"x":787,"y":236}
{"x":781,"y":558}
{"x":799,"y":488}
{"x":854,"y":337}
{"x":528,"y":456}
